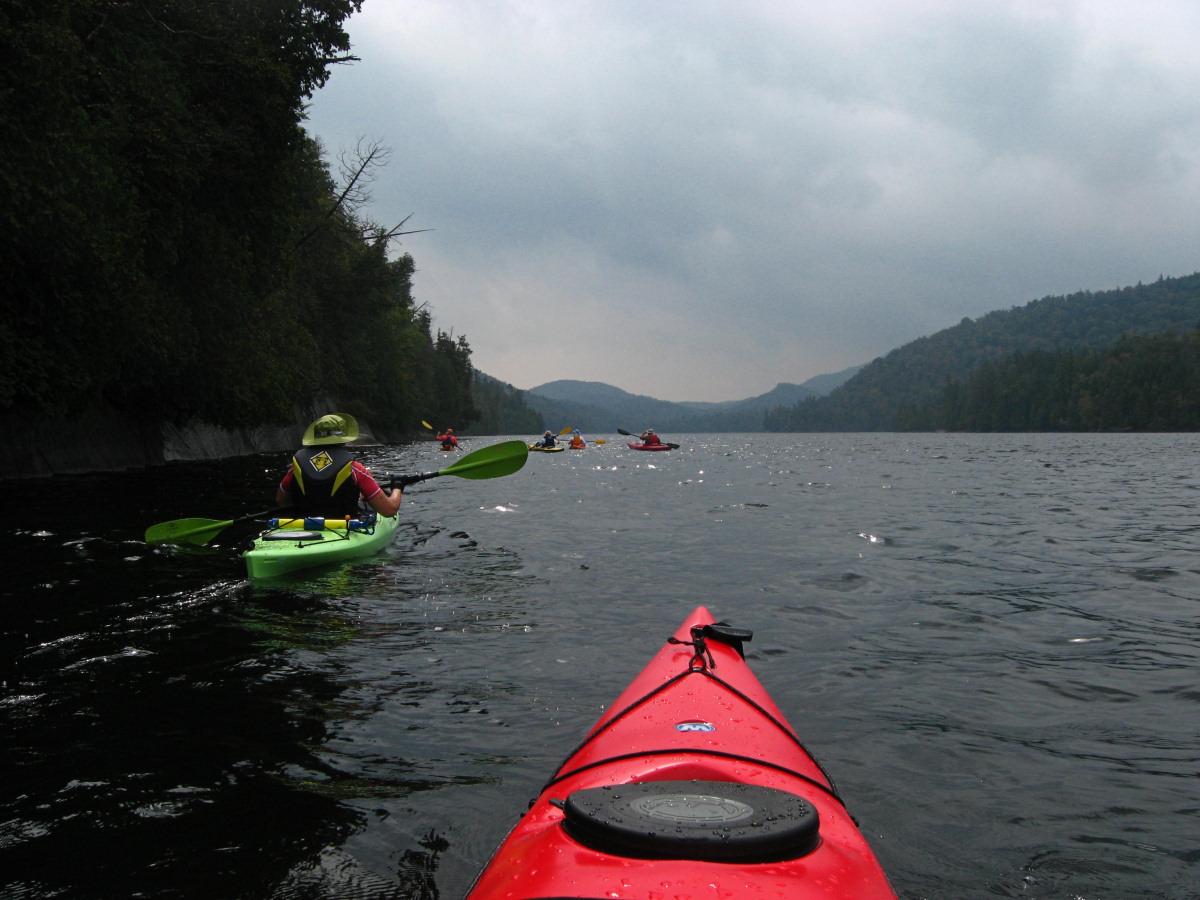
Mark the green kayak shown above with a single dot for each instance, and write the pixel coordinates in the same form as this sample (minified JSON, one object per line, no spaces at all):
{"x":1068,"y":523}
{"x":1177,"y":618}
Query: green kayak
{"x":292,"y":544}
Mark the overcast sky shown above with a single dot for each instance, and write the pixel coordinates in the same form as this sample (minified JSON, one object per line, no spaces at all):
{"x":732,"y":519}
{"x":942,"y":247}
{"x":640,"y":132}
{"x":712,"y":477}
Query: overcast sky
{"x":698,"y":200}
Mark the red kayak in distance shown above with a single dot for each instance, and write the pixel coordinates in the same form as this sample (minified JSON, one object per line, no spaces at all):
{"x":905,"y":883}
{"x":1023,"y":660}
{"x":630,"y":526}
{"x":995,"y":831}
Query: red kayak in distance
{"x":692,"y":785}
{"x":633,"y":446}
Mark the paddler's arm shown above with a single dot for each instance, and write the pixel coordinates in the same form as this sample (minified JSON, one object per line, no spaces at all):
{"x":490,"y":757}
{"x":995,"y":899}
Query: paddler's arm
{"x":282,"y":496}
{"x":386,"y":503}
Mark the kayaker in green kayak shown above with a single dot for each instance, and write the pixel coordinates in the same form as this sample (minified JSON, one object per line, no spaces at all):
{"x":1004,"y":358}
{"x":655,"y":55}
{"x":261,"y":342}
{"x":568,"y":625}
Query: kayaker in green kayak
{"x":326,"y":480}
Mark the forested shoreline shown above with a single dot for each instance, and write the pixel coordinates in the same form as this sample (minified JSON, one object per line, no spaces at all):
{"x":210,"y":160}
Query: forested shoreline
{"x":1141,"y":384}
{"x":179,"y":248}
{"x":978,"y":362}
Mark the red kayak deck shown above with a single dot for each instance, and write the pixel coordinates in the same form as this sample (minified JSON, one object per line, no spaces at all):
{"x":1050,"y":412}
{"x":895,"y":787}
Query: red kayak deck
{"x":692,"y":785}
{"x":633,"y":446}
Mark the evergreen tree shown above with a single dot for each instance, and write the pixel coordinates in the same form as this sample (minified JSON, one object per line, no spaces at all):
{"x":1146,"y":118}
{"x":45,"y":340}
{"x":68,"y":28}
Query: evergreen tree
{"x":176,"y":244}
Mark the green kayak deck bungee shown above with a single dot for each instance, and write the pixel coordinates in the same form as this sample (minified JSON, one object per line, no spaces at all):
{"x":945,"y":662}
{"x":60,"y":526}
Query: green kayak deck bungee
{"x":292,"y":544}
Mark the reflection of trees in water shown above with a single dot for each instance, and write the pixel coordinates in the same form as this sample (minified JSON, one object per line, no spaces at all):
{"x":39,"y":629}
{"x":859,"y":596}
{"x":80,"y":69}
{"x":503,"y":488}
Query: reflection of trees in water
{"x":157,"y":751}
{"x":168,"y":724}
{"x":336,"y":875}
{"x":416,"y":869}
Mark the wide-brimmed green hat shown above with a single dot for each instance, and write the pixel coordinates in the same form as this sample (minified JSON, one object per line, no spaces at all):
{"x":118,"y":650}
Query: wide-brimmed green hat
{"x":335,"y":428}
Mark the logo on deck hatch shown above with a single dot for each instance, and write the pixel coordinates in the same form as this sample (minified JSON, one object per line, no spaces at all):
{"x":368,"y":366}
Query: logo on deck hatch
{"x":695,"y":726}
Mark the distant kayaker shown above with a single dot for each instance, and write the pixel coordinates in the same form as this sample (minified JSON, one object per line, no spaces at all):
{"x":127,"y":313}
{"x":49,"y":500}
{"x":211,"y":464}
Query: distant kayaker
{"x":649,"y":438}
{"x":449,"y":441}
{"x":577,"y":441}
{"x":548,"y":439}
{"x":326,"y":480}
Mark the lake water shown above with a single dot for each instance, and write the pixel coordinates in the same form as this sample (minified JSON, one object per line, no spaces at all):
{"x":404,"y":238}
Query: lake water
{"x":989,"y":641}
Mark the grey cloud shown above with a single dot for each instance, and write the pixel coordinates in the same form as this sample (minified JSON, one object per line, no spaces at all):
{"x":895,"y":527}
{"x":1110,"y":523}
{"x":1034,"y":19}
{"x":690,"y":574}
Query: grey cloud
{"x":811,"y":185}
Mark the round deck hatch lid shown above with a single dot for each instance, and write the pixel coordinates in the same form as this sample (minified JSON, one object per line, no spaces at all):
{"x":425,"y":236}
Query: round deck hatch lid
{"x":294,"y":536}
{"x":716,"y":821}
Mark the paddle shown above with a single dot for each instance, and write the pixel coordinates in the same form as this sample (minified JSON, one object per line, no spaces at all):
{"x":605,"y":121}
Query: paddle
{"x":427,"y":425}
{"x":631,"y":434}
{"x":197,"y":531}
{"x":487,"y":462}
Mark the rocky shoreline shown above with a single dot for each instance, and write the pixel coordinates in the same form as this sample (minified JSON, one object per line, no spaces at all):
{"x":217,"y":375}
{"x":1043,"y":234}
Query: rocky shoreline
{"x":104,"y":439}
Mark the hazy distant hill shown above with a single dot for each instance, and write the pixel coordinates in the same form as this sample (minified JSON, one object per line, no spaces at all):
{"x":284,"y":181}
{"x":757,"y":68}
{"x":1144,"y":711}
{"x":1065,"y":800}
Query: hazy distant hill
{"x":595,"y":406}
{"x":781,"y":393}
{"x":872,"y":397}
{"x":823,"y":384}
{"x":918,"y":372}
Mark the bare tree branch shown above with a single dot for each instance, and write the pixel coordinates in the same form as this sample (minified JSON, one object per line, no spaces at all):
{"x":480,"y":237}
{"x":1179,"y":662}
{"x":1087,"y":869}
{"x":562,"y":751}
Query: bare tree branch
{"x":357,"y":170}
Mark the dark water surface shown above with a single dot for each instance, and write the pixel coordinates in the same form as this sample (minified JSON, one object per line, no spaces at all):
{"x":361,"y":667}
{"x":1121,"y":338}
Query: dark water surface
{"x":990,"y":641}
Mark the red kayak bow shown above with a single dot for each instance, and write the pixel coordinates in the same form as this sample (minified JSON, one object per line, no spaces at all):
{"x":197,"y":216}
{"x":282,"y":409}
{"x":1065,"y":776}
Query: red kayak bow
{"x":692,"y":785}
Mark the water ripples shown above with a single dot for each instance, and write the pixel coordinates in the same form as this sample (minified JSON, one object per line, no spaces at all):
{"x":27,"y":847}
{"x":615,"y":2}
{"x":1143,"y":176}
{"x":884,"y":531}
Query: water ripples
{"x":989,"y":641}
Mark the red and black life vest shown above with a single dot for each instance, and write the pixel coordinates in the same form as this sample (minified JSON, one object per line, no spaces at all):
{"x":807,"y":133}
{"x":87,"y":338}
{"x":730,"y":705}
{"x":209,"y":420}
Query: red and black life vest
{"x":322,"y":482}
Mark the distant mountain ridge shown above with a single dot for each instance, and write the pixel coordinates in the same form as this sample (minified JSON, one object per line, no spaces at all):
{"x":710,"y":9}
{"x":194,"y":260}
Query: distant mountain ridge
{"x":918,"y":372}
{"x":876,"y":396}
{"x":595,"y":406}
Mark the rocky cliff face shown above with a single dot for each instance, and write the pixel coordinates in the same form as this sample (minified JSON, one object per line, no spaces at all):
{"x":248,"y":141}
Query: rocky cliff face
{"x":106,"y":440}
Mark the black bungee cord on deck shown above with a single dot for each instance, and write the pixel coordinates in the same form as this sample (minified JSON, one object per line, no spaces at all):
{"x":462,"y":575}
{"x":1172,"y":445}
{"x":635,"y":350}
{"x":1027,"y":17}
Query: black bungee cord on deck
{"x":701,"y":663}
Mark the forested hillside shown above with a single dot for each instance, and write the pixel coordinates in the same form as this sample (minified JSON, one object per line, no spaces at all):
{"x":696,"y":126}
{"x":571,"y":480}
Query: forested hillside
{"x":1141,"y":384}
{"x":502,"y":408}
{"x":917,"y":373}
{"x":176,"y":245}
